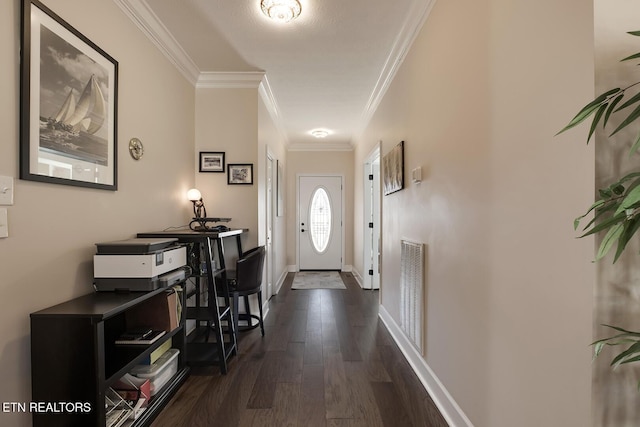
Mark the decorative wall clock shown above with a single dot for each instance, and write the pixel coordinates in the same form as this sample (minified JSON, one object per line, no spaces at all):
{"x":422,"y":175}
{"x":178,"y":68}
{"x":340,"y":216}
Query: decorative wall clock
{"x":136,"y":148}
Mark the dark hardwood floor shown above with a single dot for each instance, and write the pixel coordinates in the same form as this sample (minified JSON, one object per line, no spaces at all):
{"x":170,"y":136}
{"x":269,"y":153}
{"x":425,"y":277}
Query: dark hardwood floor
{"x":326,"y":360}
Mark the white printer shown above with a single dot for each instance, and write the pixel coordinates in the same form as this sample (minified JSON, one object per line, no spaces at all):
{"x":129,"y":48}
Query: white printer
{"x":141,"y":264}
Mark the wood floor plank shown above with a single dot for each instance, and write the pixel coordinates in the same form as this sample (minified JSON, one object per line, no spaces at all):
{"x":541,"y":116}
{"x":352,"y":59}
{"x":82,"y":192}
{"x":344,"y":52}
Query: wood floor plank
{"x":312,"y":408}
{"x":415,"y":399}
{"x":313,"y":347}
{"x":390,"y":405}
{"x":361,"y":396}
{"x":336,"y":386}
{"x":263,"y":390}
{"x":290,"y":366}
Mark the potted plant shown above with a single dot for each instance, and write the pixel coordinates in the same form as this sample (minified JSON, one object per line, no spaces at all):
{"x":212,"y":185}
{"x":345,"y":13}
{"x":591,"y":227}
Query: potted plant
{"x":617,"y":212}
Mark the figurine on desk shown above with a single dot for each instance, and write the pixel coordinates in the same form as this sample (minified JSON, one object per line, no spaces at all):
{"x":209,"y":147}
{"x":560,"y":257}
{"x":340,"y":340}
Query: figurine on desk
{"x":200,"y":219}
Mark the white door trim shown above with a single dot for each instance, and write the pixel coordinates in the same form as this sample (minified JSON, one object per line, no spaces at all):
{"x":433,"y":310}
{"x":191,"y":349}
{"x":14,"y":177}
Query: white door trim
{"x":368,"y":244}
{"x":297,"y":224}
{"x":269,"y":223}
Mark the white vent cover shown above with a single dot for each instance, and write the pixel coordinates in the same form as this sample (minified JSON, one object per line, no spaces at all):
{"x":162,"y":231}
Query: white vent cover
{"x":412,"y":305}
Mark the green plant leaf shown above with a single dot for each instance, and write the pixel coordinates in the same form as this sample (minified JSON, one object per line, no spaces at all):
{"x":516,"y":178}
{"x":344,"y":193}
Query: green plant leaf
{"x":597,"y":349}
{"x":630,"y":119}
{"x":634,"y":56}
{"x":630,"y":199}
{"x":601,"y":211}
{"x":596,"y":205}
{"x":606,"y":224}
{"x":636,"y":146}
{"x":611,"y":107}
{"x":610,"y":238}
{"x":589,"y":109}
{"x":626,"y":332}
{"x":630,"y":360}
{"x":605,"y":193}
{"x":633,"y":350}
{"x":630,"y":229}
{"x":628,"y":177}
{"x":596,"y":119}
{"x":631,"y":101}
{"x":618,"y":189}
{"x":634,"y":33}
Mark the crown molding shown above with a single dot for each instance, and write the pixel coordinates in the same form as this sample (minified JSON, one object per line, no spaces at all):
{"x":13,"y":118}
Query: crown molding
{"x":229,"y":80}
{"x":141,"y":14}
{"x":416,"y":18}
{"x":269,"y":100}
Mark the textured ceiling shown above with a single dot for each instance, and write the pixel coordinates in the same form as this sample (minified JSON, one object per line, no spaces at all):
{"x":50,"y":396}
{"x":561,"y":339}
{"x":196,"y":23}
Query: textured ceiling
{"x":326,"y":69}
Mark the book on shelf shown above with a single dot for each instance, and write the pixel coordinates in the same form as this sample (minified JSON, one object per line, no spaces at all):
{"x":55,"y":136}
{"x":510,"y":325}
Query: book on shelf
{"x":155,"y":354}
{"x":145,"y":339}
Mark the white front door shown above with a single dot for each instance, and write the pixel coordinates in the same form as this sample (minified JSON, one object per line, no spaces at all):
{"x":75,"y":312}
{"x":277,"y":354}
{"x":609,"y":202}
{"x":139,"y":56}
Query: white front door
{"x":320,"y":222}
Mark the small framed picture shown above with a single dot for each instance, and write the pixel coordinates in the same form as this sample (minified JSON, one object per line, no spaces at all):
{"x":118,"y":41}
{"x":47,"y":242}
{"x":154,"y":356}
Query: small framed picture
{"x":240,"y":174}
{"x":211,"y":161}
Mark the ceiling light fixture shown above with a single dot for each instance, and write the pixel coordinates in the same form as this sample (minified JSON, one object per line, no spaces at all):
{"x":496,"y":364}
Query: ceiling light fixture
{"x":281,"y":10}
{"x":320,"y":133}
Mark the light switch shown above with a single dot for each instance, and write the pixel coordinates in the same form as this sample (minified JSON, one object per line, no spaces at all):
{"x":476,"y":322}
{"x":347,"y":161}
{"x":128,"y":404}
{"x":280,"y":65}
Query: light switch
{"x":6,"y":190}
{"x":4,"y":224}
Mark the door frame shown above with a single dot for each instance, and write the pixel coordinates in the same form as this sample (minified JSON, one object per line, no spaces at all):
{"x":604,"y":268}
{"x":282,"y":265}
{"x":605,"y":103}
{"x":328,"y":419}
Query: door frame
{"x":376,"y":212}
{"x":342,"y":213}
{"x":271,"y":165}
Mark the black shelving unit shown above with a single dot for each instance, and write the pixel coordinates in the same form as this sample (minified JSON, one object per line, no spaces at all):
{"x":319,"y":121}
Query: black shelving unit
{"x":74,"y":358}
{"x":214,"y":339}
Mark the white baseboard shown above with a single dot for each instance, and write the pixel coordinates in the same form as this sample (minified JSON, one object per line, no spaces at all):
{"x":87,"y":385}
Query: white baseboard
{"x":358,"y":277}
{"x":448,"y":407}
{"x":294,"y":268}
{"x":280,"y":281}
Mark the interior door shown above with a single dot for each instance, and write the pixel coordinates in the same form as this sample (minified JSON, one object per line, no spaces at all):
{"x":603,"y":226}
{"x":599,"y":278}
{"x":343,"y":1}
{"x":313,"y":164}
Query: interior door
{"x":320,"y":222}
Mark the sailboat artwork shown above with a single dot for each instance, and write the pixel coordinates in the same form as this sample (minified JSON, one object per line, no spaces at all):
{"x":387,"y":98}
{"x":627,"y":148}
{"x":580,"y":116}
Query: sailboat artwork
{"x":71,"y":132}
{"x":87,"y":114}
{"x":69,"y":108}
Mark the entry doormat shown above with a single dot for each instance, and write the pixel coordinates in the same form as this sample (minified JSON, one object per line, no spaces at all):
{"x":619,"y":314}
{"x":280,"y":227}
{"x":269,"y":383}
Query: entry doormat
{"x":318,"y":280}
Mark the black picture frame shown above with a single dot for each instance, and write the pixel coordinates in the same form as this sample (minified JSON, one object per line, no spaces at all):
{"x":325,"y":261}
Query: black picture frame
{"x":393,"y":169}
{"x":212,"y":161}
{"x":240,"y":174}
{"x":68,"y":104}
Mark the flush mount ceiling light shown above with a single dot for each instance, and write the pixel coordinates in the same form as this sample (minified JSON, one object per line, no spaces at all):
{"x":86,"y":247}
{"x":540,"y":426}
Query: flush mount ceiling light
{"x":320,"y":133}
{"x":281,"y":10}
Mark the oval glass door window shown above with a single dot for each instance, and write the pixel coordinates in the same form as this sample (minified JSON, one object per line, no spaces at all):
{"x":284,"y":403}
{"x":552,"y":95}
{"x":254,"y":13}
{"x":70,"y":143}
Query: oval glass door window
{"x":320,"y":220}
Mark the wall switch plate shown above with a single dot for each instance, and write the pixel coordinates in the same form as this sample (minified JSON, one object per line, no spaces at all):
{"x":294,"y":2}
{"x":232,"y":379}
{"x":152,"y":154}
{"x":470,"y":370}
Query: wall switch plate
{"x":6,"y":190}
{"x":416,"y":175}
{"x":4,"y":224}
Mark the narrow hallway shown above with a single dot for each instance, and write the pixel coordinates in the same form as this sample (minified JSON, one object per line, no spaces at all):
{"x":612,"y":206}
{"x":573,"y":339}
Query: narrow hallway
{"x":326,"y":360}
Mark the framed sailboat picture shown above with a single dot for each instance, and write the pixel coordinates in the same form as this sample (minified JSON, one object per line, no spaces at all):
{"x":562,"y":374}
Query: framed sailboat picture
{"x":68,"y":112}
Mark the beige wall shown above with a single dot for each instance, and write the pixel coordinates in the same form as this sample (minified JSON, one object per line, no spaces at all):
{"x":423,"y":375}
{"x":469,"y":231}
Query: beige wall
{"x":227,"y":120}
{"x":48,"y":257}
{"x":320,"y":162}
{"x":509,"y":289}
